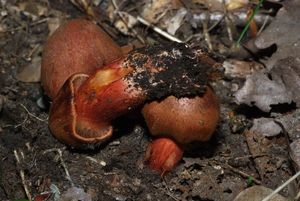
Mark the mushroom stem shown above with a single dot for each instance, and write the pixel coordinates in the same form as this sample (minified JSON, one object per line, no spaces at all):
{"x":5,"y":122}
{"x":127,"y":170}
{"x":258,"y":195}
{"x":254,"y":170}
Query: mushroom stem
{"x":163,"y":154}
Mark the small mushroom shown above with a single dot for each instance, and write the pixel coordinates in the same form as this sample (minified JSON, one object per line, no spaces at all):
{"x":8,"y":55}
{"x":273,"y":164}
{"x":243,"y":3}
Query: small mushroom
{"x":176,"y":122}
{"x":78,"y":46}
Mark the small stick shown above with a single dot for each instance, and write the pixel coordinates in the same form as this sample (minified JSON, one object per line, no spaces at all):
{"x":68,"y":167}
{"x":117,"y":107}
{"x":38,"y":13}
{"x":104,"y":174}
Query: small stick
{"x":167,"y":192}
{"x":22,"y":175}
{"x":32,"y":115}
{"x":158,"y":30}
{"x":243,"y":174}
{"x":263,"y":25}
{"x":206,"y":34}
{"x":281,"y":187}
{"x":62,"y":162}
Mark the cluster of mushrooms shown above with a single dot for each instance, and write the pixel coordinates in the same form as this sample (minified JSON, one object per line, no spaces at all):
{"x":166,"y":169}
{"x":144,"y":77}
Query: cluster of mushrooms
{"x":93,"y":81}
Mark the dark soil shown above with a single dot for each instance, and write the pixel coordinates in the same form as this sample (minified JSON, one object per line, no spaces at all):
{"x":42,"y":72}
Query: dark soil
{"x":180,"y":68}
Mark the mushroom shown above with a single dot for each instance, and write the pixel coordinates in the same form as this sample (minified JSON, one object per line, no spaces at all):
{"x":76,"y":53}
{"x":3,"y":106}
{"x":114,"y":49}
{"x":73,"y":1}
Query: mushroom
{"x":82,"y":113}
{"x":176,"y":122}
{"x":78,"y":46}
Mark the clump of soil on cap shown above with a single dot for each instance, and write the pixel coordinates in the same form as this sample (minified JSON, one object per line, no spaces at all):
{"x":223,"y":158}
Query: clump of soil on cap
{"x":164,"y":70}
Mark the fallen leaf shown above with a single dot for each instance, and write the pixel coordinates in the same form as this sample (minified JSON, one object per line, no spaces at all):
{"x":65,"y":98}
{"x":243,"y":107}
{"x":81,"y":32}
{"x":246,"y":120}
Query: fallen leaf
{"x":269,"y":155}
{"x":279,"y":86}
{"x":240,"y":69}
{"x":257,"y":193}
{"x":295,"y":152}
{"x":261,"y":91}
{"x":284,"y":32}
{"x":31,"y":72}
{"x":153,"y":11}
{"x":217,"y":5}
{"x":291,"y":124}
{"x":125,"y":27}
{"x":55,"y":20}
{"x":266,"y":126}
{"x":176,"y":21}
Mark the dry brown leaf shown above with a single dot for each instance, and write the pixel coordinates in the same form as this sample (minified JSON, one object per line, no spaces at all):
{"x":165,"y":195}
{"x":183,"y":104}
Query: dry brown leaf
{"x":281,"y":82}
{"x":257,"y":193}
{"x":280,"y":85}
{"x":153,"y":11}
{"x":218,"y":5}
{"x":270,"y":154}
{"x":176,"y":21}
{"x":34,"y":9}
{"x":266,"y":126}
{"x":295,"y":152}
{"x":31,"y":72}
{"x":284,"y":32}
{"x":240,"y":69}
{"x":56,"y":19}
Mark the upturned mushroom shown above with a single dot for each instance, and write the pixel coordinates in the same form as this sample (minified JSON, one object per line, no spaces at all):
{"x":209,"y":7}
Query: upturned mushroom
{"x":82,"y":113}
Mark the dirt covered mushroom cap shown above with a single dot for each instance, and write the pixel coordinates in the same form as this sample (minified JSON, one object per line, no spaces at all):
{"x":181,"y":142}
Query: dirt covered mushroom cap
{"x":183,"y":119}
{"x":78,"y":46}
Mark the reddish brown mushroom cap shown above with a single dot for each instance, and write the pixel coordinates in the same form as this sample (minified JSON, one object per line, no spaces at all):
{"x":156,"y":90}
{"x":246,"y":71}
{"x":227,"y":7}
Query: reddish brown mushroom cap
{"x":78,"y":46}
{"x":185,"y":119}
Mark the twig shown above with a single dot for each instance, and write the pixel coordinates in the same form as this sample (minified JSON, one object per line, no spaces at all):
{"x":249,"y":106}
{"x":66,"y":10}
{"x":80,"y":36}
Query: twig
{"x":269,"y":197}
{"x":23,"y":26}
{"x":24,"y":121}
{"x":297,"y":196}
{"x":206,"y":33}
{"x":243,"y":174}
{"x":31,"y":52}
{"x":16,"y":126}
{"x":39,"y":21}
{"x":263,"y":25}
{"x":167,"y":192}
{"x":32,"y":115}
{"x":228,"y":23}
{"x":102,"y":163}
{"x":84,"y":6}
{"x":158,"y":30}
{"x":22,"y":175}
{"x":62,"y":162}
{"x":216,"y":23}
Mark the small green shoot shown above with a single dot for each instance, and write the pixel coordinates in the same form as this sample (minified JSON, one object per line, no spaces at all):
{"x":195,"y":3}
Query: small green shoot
{"x":250,"y":181}
{"x":249,"y":22}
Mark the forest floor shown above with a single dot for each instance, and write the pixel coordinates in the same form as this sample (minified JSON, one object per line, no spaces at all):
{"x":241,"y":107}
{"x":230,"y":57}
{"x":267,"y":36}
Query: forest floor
{"x":33,"y":162}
